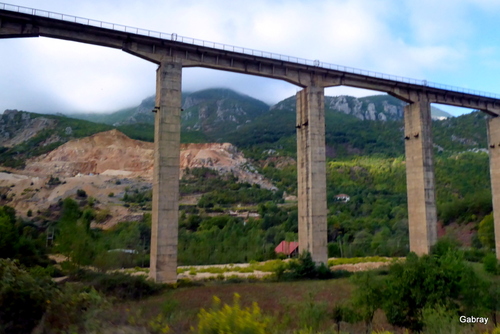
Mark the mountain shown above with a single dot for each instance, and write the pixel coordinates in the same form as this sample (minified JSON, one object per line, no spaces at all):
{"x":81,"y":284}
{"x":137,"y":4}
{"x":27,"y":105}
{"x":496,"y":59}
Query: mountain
{"x":438,"y":114}
{"x":219,"y":115}
{"x":24,"y":134}
{"x":205,"y":110}
{"x":354,"y":126}
{"x":347,"y":135}
{"x":216,"y":109}
{"x":219,"y":110}
{"x":374,"y":108}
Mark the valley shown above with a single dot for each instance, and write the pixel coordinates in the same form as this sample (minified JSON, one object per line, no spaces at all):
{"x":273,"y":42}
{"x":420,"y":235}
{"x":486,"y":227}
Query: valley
{"x":83,"y":190}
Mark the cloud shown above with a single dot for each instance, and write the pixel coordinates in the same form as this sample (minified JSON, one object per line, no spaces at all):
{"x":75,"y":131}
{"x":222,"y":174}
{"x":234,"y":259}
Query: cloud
{"x":425,"y":39}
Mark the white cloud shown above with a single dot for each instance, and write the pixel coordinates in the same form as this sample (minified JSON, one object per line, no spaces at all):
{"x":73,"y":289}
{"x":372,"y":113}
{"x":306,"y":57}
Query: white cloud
{"x":413,"y":38}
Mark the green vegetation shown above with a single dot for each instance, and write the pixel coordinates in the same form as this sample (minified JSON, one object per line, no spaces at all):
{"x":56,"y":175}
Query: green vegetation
{"x":21,"y":240}
{"x":232,"y":319}
{"x":365,"y":161}
{"x":23,"y":298}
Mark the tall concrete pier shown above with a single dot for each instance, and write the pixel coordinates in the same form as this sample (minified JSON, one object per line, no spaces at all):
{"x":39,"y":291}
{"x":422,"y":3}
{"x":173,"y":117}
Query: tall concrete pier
{"x":494,"y":150}
{"x":420,"y":176}
{"x":165,"y":214}
{"x":311,"y":172}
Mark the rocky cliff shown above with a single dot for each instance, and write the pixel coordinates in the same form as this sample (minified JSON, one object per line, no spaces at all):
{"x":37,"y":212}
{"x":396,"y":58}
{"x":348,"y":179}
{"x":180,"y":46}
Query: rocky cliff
{"x":374,"y":108}
{"x":17,"y":127}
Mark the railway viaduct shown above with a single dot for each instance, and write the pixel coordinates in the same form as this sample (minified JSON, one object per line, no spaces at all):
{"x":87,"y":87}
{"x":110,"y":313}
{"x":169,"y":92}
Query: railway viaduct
{"x":172,"y":53}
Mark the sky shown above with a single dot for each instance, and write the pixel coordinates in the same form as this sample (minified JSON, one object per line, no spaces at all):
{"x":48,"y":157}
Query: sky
{"x":453,"y":42}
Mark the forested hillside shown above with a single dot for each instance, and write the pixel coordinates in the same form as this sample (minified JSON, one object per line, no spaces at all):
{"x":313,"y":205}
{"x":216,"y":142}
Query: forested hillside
{"x":365,"y":161}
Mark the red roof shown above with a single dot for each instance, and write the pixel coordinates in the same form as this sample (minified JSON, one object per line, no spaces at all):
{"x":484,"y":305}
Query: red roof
{"x":287,"y":247}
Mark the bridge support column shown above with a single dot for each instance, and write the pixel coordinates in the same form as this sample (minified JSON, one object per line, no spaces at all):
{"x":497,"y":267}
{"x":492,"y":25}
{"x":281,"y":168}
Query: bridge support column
{"x":165,"y":213}
{"x":422,"y":217}
{"x":311,"y":173}
{"x":494,"y":150}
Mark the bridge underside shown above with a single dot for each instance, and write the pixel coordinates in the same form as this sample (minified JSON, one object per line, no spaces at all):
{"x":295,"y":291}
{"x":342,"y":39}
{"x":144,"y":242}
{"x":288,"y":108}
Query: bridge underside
{"x":172,"y":56}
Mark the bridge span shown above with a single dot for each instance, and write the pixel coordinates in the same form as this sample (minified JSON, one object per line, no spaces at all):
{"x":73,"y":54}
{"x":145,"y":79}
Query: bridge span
{"x":172,"y":53}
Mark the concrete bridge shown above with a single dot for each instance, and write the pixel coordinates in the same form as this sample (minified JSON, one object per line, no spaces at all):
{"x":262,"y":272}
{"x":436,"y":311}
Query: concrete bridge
{"x":172,"y":53}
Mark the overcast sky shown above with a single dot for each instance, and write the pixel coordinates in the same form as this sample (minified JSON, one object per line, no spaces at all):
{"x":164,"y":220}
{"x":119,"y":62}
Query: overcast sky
{"x":454,"y":42}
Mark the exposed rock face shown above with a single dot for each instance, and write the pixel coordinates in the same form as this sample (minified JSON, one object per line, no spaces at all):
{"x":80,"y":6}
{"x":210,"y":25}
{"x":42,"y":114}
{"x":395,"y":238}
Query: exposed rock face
{"x":113,"y":153}
{"x":374,"y":108}
{"x":95,"y":154}
{"x":17,"y":127}
{"x":207,"y":110}
{"x":366,"y":109}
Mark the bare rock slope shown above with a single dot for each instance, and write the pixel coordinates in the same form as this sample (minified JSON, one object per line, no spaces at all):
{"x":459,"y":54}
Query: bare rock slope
{"x":113,"y":153}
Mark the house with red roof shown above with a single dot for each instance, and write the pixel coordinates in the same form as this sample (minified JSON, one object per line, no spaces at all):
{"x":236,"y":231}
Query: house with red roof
{"x":289,"y":248}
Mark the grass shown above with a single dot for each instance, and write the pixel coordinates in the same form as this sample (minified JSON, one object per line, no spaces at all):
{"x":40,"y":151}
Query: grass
{"x":270,"y":266}
{"x":355,"y":260}
{"x":284,"y":301}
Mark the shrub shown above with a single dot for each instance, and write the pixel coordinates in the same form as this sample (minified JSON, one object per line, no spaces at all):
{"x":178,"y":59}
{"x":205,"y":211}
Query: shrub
{"x":111,"y":194}
{"x":444,"y":245}
{"x":74,"y":308}
{"x":305,"y":268}
{"x":102,"y":215}
{"x":438,"y":319}
{"x":312,"y":314}
{"x":429,"y":281}
{"x":118,"y":285}
{"x":53,"y":181}
{"x":368,"y":297}
{"x":343,"y":313}
{"x":474,"y":255}
{"x":23,"y":298}
{"x":490,"y":263}
{"x":81,"y":193}
{"x":232,"y":319}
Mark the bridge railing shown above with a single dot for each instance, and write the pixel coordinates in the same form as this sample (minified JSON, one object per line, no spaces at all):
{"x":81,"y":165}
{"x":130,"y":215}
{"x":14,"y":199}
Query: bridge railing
{"x":226,"y":47}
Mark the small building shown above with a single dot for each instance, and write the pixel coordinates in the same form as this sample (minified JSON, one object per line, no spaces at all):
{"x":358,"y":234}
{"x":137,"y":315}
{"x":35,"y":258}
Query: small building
{"x":342,"y":198}
{"x":289,"y":248}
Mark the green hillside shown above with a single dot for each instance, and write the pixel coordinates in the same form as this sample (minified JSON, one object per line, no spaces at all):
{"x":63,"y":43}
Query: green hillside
{"x":106,"y":118}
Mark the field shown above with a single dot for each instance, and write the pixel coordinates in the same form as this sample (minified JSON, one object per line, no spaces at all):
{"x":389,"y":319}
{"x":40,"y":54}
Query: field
{"x":292,"y":305}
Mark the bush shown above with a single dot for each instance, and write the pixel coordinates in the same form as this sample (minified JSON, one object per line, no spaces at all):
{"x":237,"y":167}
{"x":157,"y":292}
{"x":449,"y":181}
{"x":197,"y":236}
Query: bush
{"x":118,"y":285}
{"x":312,"y":314}
{"x":81,"y":193}
{"x":344,"y":313}
{"x":74,"y":308}
{"x":23,"y":298}
{"x":368,"y":297}
{"x":443,"y":246}
{"x":232,"y":319}
{"x":53,"y":181}
{"x":490,"y":263}
{"x":474,"y":255}
{"x":305,"y":268}
{"x":428,"y":282}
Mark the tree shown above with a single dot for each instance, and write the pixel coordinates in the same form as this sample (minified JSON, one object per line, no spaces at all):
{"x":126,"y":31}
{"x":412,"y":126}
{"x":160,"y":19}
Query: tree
{"x":428,"y":281}
{"x":368,"y":297}
{"x":74,"y":239}
{"x":486,"y":232}
{"x":20,"y":241}
{"x":23,"y":299}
